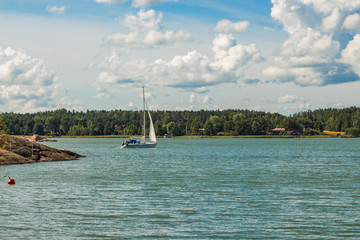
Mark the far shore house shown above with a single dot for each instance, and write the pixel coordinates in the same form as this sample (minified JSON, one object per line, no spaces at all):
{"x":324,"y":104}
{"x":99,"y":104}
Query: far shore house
{"x":276,"y":131}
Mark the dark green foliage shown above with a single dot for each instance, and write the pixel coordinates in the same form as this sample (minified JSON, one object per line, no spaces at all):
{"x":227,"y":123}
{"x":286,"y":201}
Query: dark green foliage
{"x":176,"y":123}
{"x":3,"y":127}
{"x":173,"y":129}
{"x":353,"y":132}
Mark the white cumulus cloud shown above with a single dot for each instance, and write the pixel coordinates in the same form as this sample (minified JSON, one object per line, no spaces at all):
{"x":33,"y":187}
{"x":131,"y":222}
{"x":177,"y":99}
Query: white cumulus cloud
{"x":287,"y":99}
{"x":226,"y":26}
{"x":26,"y":85}
{"x":192,"y":98}
{"x":56,"y":10}
{"x":351,"y":54}
{"x":316,"y":37}
{"x":199,"y":100}
{"x":136,"y":3}
{"x":111,"y":1}
{"x":352,"y":22}
{"x":331,"y":22}
{"x":193,"y":71}
{"x":230,"y":56}
{"x":207,"y":99}
{"x":145,"y":32}
{"x":145,"y":3}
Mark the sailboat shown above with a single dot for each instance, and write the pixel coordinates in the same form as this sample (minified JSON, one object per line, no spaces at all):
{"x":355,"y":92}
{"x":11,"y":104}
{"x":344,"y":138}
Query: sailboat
{"x":142,"y":142}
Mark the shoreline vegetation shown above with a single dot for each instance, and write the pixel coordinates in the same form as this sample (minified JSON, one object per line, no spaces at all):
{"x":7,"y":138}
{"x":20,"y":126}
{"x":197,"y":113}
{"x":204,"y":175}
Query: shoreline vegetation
{"x":204,"y":136}
{"x":204,"y":123}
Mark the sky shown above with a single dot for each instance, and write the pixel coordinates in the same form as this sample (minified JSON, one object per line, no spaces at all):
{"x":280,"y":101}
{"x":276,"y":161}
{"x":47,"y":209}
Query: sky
{"x":283,"y":56}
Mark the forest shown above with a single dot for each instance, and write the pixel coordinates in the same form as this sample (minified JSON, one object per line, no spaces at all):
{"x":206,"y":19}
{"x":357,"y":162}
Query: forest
{"x":182,"y":123}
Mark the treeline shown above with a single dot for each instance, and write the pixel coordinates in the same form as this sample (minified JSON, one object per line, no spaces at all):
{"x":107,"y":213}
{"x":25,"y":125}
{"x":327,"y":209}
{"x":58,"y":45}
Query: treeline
{"x":178,"y":123}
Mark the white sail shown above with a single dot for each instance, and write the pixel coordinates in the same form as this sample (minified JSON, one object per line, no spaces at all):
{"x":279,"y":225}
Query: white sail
{"x":152,"y":135}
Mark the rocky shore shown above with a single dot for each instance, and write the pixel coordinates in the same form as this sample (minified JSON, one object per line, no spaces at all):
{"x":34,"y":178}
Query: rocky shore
{"x":24,"y":151}
{"x":37,"y":138}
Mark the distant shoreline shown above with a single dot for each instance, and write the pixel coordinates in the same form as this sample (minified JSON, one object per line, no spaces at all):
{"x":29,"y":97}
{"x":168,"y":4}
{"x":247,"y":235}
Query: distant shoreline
{"x":202,"y":136}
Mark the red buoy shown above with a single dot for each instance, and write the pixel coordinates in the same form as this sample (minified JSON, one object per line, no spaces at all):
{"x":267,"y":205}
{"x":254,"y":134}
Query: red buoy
{"x":11,"y":181}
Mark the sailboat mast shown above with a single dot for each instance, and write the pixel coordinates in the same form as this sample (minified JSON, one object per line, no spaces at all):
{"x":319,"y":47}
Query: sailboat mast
{"x":144,"y":109}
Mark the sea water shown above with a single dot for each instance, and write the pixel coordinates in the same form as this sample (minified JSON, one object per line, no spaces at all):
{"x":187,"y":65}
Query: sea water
{"x":232,"y":188}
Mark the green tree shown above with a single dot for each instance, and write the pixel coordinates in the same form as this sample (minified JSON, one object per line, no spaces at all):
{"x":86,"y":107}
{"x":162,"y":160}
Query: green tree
{"x":239,"y":124}
{"x":209,"y":129}
{"x":290,"y":123}
{"x":3,"y":128}
{"x":353,"y":132}
{"x":39,"y":128}
{"x":256,"y":128}
{"x":229,"y":127}
{"x":51,"y":124}
{"x":65,"y":123}
{"x":158,"y":128}
{"x":173,"y":129}
{"x":195,"y":127}
{"x":217,"y":123}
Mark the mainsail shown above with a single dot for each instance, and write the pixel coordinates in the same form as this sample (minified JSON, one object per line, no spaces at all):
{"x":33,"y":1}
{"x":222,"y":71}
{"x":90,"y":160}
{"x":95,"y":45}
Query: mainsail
{"x":152,"y":135}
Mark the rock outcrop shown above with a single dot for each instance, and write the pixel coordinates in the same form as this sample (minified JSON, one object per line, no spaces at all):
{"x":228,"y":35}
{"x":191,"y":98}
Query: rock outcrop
{"x":23,"y":151}
{"x":37,"y":138}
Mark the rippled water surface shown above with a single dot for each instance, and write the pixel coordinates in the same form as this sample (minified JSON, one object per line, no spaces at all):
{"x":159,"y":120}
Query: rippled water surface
{"x":188,"y":188}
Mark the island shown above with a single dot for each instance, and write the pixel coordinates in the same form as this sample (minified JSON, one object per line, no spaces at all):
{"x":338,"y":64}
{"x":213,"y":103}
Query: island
{"x":17,"y":150}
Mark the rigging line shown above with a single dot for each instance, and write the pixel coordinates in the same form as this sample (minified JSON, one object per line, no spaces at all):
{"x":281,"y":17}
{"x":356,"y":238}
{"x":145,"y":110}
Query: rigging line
{"x":6,"y":175}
